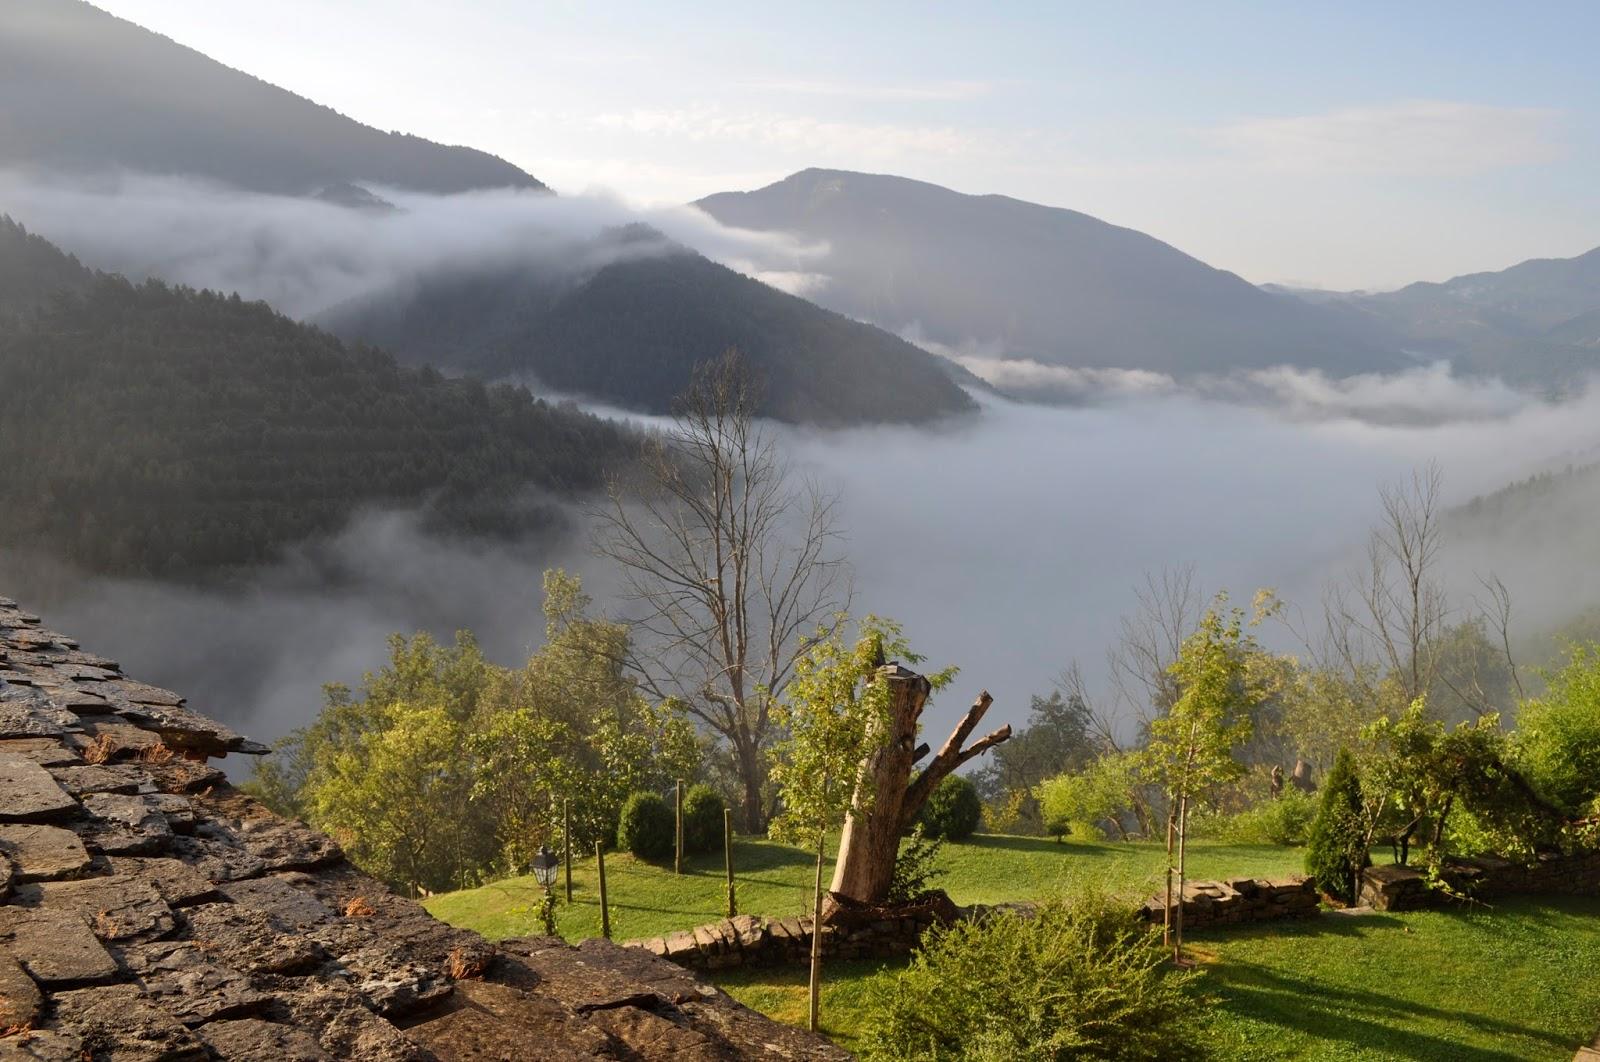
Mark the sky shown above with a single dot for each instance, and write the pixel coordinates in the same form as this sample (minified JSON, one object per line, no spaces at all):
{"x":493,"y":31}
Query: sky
{"x":1352,"y":145}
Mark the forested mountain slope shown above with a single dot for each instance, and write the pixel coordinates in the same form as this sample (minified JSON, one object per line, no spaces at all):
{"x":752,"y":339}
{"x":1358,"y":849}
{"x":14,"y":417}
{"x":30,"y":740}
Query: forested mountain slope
{"x":1028,"y":281}
{"x":153,"y":430}
{"x":632,"y":330}
{"x":82,"y":90}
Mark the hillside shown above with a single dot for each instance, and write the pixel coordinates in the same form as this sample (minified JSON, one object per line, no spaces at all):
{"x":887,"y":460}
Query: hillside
{"x":153,"y":430}
{"x":1028,"y":281}
{"x":631,"y":331}
{"x":84,"y":91}
{"x":1536,"y":323}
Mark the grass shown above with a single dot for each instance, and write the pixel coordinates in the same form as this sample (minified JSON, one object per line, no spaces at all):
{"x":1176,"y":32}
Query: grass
{"x":1477,"y":986}
{"x":1473,"y":985}
{"x":776,"y":880}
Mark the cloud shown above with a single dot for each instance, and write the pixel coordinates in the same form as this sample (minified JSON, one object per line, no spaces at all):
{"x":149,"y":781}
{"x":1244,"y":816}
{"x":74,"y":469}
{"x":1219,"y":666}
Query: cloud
{"x":877,"y":92}
{"x":1411,"y":138}
{"x":1025,"y":378}
{"x":306,"y":256}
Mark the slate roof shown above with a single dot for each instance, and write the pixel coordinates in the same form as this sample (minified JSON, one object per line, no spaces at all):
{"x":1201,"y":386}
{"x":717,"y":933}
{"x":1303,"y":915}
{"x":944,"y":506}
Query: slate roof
{"x":151,"y":911}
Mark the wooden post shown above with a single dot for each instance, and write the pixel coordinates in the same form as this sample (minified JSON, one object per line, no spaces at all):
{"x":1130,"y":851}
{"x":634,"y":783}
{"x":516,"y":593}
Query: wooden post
{"x":677,"y":850}
{"x":605,"y":912}
{"x":727,"y":857}
{"x":566,"y":843}
{"x":816,"y":936}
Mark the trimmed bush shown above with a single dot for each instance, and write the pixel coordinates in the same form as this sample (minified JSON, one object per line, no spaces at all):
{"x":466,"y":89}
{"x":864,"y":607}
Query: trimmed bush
{"x":646,"y":827}
{"x":953,"y":811}
{"x":702,"y":819}
{"x":1335,"y":852}
{"x":1081,"y":980}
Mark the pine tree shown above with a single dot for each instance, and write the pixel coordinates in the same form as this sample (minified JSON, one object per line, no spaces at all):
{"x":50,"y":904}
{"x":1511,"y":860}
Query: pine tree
{"x":1336,"y":852}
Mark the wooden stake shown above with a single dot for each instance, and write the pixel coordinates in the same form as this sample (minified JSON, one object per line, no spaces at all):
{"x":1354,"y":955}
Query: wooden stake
{"x":816,"y":936}
{"x":605,"y":912}
{"x":677,"y":851}
{"x":727,"y":857}
{"x":566,"y":843}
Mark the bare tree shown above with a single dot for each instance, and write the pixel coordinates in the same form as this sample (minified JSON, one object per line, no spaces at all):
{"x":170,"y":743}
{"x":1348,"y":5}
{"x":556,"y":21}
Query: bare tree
{"x":1394,"y":610}
{"x":1169,"y":607}
{"x":729,"y":562}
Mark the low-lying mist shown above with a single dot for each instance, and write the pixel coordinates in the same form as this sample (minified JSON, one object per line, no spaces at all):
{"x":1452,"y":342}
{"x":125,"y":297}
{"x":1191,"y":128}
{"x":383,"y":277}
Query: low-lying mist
{"x":1008,"y":543}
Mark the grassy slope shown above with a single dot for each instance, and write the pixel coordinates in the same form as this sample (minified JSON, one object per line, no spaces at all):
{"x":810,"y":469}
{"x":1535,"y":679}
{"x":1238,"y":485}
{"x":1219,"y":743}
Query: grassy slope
{"x":1502,"y":985}
{"x":776,"y":880}
{"x":1451,"y":985}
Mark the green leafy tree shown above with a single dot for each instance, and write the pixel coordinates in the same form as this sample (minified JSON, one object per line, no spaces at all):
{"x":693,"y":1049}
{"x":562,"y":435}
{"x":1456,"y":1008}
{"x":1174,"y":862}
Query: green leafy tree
{"x":1078,"y":802}
{"x":1336,"y":851}
{"x":1191,"y":746}
{"x":833,"y":715}
{"x":953,"y":810}
{"x":1059,"y":737}
{"x":1557,"y":740}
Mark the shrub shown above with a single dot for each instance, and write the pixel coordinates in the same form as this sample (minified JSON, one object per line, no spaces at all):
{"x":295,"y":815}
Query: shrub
{"x":953,"y":810}
{"x":1078,"y":802}
{"x":915,"y":866}
{"x":1081,"y":980}
{"x":702,"y":819}
{"x":1557,"y":740}
{"x":1285,"y":819}
{"x":1336,"y":851}
{"x":646,"y":827}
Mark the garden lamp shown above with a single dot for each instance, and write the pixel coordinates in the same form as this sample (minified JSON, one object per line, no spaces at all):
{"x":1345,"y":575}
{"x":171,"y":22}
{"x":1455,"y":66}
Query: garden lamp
{"x":544,"y":867}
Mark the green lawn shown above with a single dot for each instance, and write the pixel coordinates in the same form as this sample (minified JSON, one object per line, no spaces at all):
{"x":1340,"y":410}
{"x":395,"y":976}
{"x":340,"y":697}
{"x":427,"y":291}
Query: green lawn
{"x":776,"y":880}
{"x":1508,"y":984}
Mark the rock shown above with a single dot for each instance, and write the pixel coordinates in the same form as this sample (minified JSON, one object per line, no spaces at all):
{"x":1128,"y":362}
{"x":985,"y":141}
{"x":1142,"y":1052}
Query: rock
{"x":179,"y":883}
{"x":29,"y":794}
{"x":346,"y":1029}
{"x":291,"y":908}
{"x":189,"y":985}
{"x":20,"y":1000}
{"x":252,"y":1038}
{"x":55,"y":947}
{"x":489,"y":1021}
{"x":43,"y":853}
{"x":184,"y":776}
{"x":92,"y":778}
{"x":116,"y":907}
{"x":251,"y":941}
{"x":42,"y":1045}
{"x":45,"y":751}
{"x":122,"y":1023}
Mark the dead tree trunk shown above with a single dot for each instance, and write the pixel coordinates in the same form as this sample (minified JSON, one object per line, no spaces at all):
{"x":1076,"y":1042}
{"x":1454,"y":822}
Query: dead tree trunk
{"x":871,"y":839}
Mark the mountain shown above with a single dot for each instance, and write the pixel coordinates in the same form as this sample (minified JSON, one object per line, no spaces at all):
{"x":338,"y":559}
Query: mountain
{"x":1536,"y":323}
{"x":161,"y":431}
{"x":630,"y":327}
{"x":995,"y":274}
{"x":84,"y":91}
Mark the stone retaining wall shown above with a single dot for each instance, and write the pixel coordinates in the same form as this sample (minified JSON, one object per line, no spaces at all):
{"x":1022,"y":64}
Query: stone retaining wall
{"x":1240,"y":900}
{"x":1405,"y":888}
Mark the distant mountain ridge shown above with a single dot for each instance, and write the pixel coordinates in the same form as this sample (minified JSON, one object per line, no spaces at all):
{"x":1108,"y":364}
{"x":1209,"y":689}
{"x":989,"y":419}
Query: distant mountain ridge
{"x":151,"y":430}
{"x":1042,"y":283}
{"x":630,"y":330}
{"x":1536,"y":323}
{"x":82,"y":91}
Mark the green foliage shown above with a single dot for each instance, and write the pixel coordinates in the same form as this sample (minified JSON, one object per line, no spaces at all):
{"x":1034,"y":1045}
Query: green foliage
{"x":1078,"y":802}
{"x":833,"y":716}
{"x":916,"y":865}
{"x":1337,"y":849}
{"x":1081,"y":980}
{"x":1557,"y":741}
{"x":702,"y":819}
{"x":953,"y":810}
{"x":567,"y":726}
{"x":151,"y":430}
{"x":1283,"y":820}
{"x":646,"y":827}
{"x":1057,"y":738}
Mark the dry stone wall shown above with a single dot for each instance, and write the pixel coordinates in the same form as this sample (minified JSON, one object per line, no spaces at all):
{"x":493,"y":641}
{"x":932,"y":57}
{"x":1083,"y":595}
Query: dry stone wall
{"x":1239,"y":901}
{"x":1405,"y":888}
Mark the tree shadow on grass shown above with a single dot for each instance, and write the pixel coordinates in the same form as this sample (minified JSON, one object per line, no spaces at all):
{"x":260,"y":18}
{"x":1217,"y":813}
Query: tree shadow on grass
{"x":1366,"y":1020}
{"x":1036,"y":845}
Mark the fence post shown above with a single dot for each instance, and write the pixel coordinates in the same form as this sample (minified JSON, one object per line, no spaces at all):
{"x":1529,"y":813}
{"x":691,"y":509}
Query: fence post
{"x":566,"y":843}
{"x":677,"y":851}
{"x":727,"y":857}
{"x":605,"y":911}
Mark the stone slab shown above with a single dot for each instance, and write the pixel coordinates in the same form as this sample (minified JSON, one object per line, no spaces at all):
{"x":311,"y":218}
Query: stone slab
{"x":55,"y":947}
{"x":121,"y":1023}
{"x":29,"y":794}
{"x":43,"y":853}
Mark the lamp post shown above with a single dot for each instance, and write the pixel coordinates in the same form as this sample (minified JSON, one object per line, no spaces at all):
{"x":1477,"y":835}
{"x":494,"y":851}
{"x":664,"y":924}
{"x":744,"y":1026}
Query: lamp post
{"x":545,"y":864}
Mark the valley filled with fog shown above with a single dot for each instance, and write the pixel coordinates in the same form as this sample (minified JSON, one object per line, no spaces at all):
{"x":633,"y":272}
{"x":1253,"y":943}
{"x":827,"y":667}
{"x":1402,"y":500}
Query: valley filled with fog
{"x":1010,"y":543}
